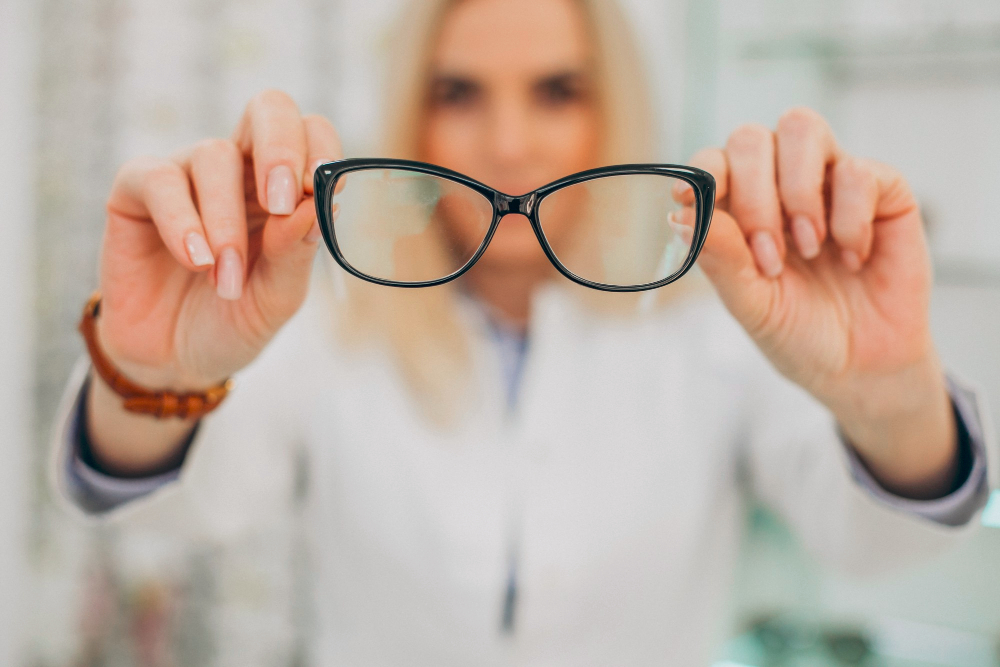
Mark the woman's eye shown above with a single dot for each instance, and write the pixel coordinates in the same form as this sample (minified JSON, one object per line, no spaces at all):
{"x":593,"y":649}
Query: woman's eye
{"x":454,"y":92}
{"x":560,"y":90}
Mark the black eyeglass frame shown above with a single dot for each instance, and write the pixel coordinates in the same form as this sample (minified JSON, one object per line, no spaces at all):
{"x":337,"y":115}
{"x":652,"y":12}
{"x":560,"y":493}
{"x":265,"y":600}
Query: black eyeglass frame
{"x":701,"y":182}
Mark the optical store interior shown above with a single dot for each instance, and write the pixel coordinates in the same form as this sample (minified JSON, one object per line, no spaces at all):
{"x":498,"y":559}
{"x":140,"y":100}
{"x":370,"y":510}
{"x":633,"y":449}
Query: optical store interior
{"x":89,"y":84}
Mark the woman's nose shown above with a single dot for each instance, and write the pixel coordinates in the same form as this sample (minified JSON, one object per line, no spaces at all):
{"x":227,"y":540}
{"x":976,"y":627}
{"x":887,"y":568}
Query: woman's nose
{"x":511,"y":139}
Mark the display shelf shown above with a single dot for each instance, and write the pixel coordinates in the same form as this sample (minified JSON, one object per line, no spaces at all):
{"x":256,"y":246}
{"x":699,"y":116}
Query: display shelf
{"x":849,"y":43}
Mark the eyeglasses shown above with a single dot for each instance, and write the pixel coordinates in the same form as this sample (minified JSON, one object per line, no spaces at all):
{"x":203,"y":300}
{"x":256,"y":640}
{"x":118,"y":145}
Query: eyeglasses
{"x":411,"y":224}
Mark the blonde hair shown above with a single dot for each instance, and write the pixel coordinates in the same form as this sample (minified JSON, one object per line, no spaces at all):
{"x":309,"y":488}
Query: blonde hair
{"x":422,"y":327}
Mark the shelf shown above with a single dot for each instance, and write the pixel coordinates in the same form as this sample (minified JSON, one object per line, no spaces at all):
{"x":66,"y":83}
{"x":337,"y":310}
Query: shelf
{"x":946,"y":42}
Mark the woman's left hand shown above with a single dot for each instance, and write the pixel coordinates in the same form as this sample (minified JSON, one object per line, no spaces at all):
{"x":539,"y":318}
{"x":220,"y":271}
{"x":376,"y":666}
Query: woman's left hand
{"x":822,"y":258}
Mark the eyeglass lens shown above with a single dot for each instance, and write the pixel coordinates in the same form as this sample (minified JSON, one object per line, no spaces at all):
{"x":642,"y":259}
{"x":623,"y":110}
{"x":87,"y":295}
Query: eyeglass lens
{"x":622,"y":230}
{"x":408,"y":226}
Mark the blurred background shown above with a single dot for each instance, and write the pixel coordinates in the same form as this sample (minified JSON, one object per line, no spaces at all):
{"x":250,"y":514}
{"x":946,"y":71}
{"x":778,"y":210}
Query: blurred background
{"x":87,"y":84}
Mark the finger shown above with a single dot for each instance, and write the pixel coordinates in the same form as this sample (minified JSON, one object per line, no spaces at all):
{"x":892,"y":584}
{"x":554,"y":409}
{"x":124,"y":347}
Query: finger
{"x":281,"y":249}
{"x":217,"y":174}
{"x":729,"y":264}
{"x":753,"y":195}
{"x":159,"y":190}
{"x":714,"y":162}
{"x":271,"y":132}
{"x":324,"y":146}
{"x":281,"y":236}
{"x":899,"y":245}
{"x":806,"y":147}
{"x":854,"y":202}
{"x":280,"y":277}
{"x":726,"y":258}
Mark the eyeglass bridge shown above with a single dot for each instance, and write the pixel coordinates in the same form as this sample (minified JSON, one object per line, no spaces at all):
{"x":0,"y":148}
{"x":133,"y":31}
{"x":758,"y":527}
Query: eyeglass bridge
{"x":523,"y":205}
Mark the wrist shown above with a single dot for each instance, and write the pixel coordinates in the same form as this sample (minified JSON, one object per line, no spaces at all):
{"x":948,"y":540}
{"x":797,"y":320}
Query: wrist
{"x":137,"y":398}
{"x":903,"y":428}
{"x":165,"y":376}
{"x":897,"y":396}
{"x":126,"y":444}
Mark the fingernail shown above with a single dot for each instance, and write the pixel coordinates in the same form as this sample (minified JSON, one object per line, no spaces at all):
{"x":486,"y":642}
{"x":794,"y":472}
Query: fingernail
{"x":765,"y":251}
{"x":805,"y":236}
{"x":683,"y":231}
{"x":314,"y":234}
{"x":198,"y":250}
{"x":230,"y":276}
{"x":281,"y":191}
{"x":851,"y":260}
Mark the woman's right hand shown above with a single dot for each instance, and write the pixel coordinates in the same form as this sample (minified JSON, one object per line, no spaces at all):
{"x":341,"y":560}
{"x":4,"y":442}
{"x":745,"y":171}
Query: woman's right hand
{"x":206,"y":255}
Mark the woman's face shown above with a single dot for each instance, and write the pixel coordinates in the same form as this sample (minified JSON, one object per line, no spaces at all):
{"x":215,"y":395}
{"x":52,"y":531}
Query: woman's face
{"x":512,"y":104}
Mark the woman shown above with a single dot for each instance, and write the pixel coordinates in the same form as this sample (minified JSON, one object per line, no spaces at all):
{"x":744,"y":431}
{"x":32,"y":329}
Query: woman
{"x":503,"y":472}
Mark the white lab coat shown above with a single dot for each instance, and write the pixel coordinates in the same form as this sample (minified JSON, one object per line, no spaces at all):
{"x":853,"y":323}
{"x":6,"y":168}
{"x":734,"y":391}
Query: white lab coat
{"x":617,"y":486}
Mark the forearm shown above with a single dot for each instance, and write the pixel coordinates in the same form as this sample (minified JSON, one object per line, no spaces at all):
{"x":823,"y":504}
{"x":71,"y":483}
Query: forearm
{"x":909,"y":444}
{"x":127,"y":444}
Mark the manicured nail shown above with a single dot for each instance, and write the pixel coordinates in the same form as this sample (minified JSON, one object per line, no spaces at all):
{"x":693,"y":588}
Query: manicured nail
{"x":765,"y":251}
{"x":281,"y":191}
{"x":198,"y":250}
{"x":805,"y":236}
{"x":851,"y":260}
{"x":313,"y":234}
{"x":684,"y":232}
{"x":230,"y":276}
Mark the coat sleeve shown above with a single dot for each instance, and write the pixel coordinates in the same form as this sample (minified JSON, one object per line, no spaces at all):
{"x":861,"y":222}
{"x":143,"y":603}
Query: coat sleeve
{"x":240,"y":468}
{"x":800,"y":467}
{"x":88,"y":488}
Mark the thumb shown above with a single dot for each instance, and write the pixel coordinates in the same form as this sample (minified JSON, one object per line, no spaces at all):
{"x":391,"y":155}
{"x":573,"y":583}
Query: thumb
{"x":280,"y":278}
{"x":726,"y":258}
{"x":727,"y":261}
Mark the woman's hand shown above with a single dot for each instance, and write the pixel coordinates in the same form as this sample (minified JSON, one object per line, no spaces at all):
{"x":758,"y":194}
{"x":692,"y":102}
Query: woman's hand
{"x":206,"y":255}
{"x":822,"y":258}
